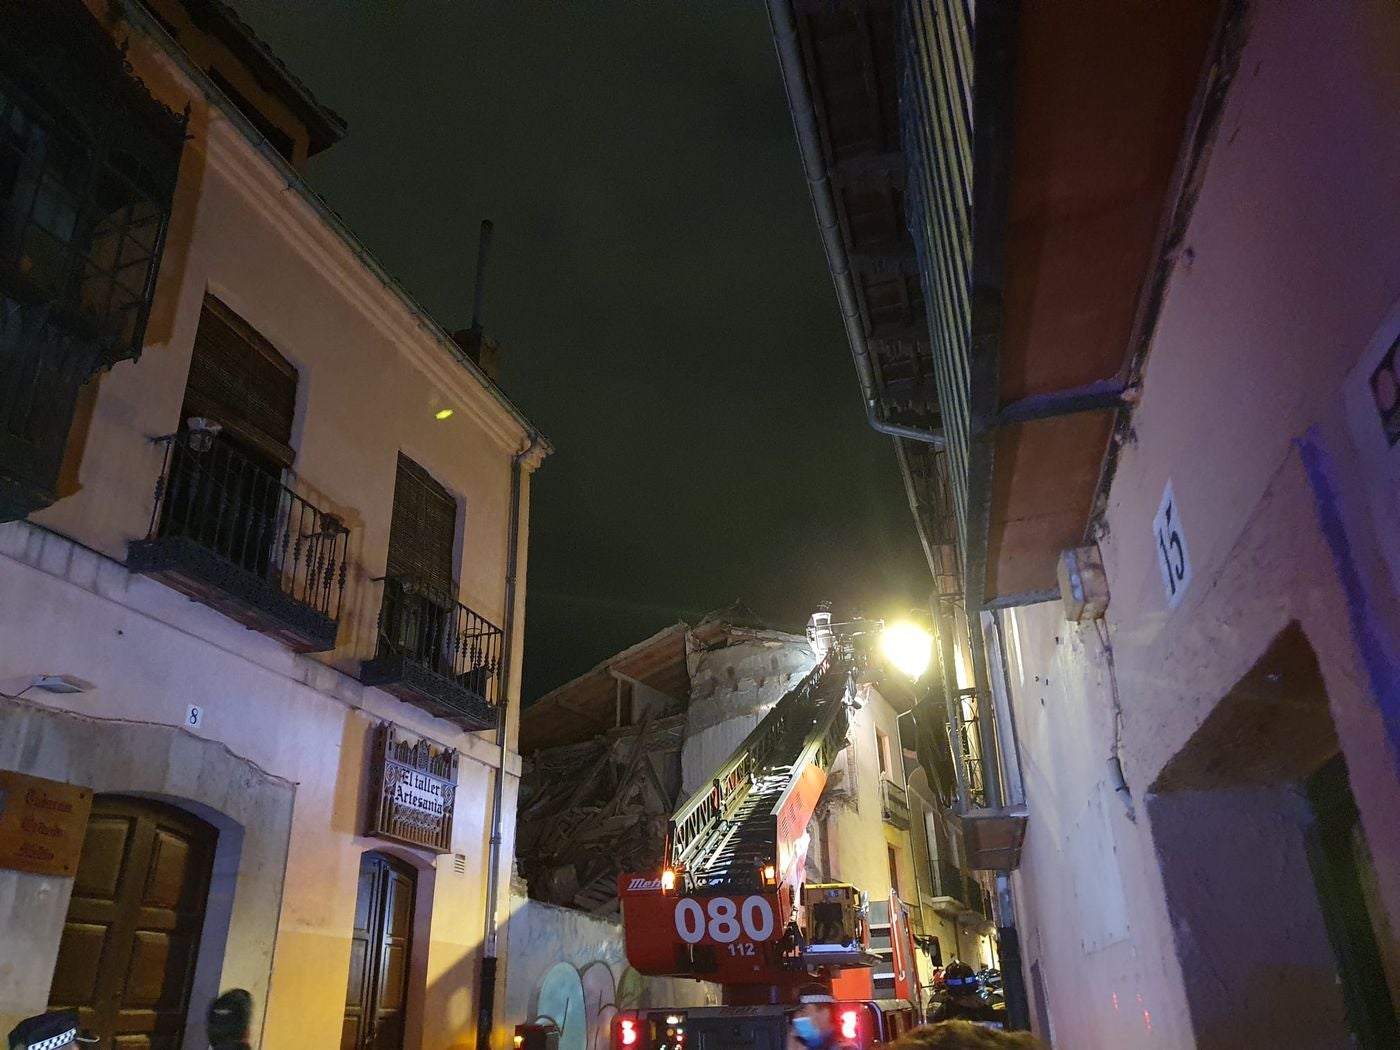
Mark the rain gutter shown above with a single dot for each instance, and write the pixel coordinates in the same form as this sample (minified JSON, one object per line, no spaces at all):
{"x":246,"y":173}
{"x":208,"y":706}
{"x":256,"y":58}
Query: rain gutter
{"x":804,"y":122}
{"x":486,"y":1001}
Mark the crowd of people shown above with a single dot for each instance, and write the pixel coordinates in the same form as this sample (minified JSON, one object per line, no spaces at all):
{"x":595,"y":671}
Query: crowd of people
{"x":959,"y":1023}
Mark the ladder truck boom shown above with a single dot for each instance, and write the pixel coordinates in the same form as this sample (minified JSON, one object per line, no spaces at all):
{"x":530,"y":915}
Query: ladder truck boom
{"x":723,"y":907}
{"x":731,"y":904}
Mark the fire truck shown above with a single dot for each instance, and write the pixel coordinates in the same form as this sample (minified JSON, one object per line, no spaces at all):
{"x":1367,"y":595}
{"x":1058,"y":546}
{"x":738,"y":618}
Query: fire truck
{"x":731,"y":904}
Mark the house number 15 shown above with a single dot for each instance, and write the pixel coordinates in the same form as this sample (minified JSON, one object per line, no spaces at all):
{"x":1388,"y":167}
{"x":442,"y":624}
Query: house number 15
{"x":1170,"y":541}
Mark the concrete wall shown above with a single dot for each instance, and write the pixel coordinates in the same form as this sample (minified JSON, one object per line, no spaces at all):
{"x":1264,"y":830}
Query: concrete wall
{"x":731,"y":689}
{"x":150,"y":652}
{"x":1287,"y":279}
{"x":372,"y":373}
{"x":569,"y":969}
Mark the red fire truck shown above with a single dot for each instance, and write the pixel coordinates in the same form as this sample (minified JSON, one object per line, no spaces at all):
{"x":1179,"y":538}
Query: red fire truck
{"x":731,"y":905}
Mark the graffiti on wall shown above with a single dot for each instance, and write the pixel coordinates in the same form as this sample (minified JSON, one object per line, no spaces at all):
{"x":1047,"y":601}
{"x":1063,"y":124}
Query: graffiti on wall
{"x":582,"y":1002}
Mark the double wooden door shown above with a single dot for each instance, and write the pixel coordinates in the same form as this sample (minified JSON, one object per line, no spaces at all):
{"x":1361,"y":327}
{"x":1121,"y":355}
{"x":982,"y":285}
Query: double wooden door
{"x":127,"y":957}
{"x":380,"y":955}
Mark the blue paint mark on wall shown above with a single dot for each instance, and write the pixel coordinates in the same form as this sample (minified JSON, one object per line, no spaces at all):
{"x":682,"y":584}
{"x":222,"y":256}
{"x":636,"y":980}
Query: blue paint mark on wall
{"x":1376,"y":654}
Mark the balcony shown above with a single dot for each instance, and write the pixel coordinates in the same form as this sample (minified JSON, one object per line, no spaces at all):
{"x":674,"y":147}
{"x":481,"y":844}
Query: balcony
{"x":437,"y":654}
{"x":954,"y":893}
{"x":894,"y":804}
{"x":228,"y":533}
{"x":90,"y":160}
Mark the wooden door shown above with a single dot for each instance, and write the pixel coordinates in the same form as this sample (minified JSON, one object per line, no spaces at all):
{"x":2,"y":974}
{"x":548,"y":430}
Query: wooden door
{"x":377,"y":990}
{"x":127,"y":957}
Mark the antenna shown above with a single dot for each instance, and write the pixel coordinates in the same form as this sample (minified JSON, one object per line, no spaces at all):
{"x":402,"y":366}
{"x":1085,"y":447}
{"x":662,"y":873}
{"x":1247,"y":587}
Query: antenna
{"x":483,"y":256}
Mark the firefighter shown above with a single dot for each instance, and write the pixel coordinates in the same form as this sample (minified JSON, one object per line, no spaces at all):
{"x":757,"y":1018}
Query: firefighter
{"x":814,"y":1025}
{"x":961,"y":1001}
{"x":230,"y":1017}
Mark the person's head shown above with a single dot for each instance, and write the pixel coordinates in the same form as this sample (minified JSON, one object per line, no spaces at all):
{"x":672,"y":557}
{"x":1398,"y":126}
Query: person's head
{"x":230,"y":1016}
{"x":960,"y":980}
{"x":964,"y":1035}
{"x":812,"y":1022}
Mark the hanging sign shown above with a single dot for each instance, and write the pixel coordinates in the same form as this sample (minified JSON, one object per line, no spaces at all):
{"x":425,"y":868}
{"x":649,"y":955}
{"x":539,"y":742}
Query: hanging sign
{"x":413,"y":790}
{"x":42,"y":824}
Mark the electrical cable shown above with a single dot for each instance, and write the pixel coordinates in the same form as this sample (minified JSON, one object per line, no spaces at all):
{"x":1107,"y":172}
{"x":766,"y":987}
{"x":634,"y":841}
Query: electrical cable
{"x":1115,"y":762}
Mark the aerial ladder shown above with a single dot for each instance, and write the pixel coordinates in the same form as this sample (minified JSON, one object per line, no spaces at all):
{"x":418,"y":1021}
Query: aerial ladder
{"x":731,"y":904}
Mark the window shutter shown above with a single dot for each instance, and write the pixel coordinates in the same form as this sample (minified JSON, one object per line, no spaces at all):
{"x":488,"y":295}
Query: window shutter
{"x":239,"y":379}
{"x":423,"y":529}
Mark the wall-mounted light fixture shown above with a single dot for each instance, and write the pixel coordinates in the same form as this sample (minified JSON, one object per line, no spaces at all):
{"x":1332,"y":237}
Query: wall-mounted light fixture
{"x":62,"y":683}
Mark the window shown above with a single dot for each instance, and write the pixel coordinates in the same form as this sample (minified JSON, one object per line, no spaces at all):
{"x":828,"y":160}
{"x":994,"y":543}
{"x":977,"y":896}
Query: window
{"x":88,"y":164}
{"x":238,"y":379}
{"x":931,"y":832}
{"x":894,"y":869}
{"x":423,"y":530}
{"x":882,"y":753}
{"x":421,"y":618}
{"x":230,"y":497}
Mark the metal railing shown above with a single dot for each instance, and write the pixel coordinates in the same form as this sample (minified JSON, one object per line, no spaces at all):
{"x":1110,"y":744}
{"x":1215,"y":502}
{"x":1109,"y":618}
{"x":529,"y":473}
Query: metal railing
{"x":692,"y":822}
{"x":424,"y":624}
{"x":894,"y":803}
{"x":948,"y":881}
{"x":211,"y":494}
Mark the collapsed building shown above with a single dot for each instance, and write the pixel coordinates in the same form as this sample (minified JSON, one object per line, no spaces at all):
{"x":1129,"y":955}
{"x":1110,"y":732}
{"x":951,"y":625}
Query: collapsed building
{"x":609,"y":757}
{"x":610,"y":754}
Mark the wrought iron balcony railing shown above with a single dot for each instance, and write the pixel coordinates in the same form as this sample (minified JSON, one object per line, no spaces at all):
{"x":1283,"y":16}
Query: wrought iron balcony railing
{"x":894,"y":804}
{"x":226,"y":531}
{"x":948,"y":881}
{"x":436,"y":653}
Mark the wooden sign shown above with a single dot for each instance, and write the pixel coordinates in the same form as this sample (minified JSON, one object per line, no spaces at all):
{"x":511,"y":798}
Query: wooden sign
{"x":42,"y":824}
{"x":413,"y":790}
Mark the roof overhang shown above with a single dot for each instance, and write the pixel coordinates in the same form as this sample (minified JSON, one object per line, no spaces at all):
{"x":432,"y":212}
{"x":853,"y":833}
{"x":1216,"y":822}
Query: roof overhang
{"x":1083,"y":150}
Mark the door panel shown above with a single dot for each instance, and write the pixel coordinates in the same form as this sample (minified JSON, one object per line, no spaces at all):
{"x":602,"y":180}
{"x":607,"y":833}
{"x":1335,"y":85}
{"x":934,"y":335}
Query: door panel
{"x":126,"y":959}
{"x":380,"y":954}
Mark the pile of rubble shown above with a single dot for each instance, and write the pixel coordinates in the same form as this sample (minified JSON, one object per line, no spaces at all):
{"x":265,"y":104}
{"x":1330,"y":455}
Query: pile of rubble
{"x":593,"y":810}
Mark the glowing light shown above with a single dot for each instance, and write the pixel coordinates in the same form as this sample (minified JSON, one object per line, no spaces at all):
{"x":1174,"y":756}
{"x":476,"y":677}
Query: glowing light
{"x":519,"y":1042}
{"x":443,"y":413}
{"x":908,"y":648}
{"x":673,"y":1019}
{"x":628,"y":1031}
{"x":668,"y":879}
{"x":850,"y":1024}
{"x":770,"y":874}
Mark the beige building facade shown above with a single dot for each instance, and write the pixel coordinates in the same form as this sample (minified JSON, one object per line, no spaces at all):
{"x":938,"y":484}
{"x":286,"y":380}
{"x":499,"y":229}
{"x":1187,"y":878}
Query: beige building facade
{"x":1121,"y":281}
{"x":266,"y":614}
{"x":1244,"y":889}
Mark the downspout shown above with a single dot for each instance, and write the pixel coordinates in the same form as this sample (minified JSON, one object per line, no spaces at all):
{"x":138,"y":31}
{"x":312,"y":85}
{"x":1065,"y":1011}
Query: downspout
{"x":486,"y":991}
{"x":804,"y":122}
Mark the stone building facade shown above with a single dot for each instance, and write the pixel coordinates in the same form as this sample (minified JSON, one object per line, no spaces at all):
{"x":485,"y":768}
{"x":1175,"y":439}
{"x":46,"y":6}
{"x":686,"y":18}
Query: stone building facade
{"x":262,"y":565}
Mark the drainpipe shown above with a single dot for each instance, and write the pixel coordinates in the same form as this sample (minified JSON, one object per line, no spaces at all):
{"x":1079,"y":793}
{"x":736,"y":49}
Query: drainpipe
{"x":804,"y":122}
{"x":486,"y":991}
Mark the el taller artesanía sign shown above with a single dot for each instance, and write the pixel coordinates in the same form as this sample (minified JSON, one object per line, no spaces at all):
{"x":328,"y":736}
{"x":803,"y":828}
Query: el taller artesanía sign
{"x":413,"y":790}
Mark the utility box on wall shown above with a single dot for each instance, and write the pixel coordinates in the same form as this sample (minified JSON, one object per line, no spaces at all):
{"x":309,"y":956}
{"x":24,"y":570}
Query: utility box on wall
{"x":1083,"y":583}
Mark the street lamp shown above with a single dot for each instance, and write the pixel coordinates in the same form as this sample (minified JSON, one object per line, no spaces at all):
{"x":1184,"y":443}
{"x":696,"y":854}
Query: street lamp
{"x":908,"y":648}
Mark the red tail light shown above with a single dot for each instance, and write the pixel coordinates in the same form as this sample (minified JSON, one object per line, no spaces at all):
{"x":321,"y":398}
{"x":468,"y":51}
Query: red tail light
{"x":850,"y":1024}
{"x":627,"y":1031}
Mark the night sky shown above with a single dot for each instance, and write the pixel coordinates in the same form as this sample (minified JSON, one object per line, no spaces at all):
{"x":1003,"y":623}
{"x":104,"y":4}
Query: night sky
{"x":658,"y":286}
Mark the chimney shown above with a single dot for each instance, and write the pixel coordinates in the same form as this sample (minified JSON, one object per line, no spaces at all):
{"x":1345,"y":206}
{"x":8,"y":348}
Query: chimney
{"x":484,"y":351}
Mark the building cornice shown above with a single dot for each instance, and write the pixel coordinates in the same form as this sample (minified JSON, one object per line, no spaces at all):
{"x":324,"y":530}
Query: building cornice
{"x":275,"y":189}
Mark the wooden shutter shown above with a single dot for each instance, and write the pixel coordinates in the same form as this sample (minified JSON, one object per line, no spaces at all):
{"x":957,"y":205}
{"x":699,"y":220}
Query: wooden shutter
{"x":424,"y":527}
{"x":239,"y":379}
